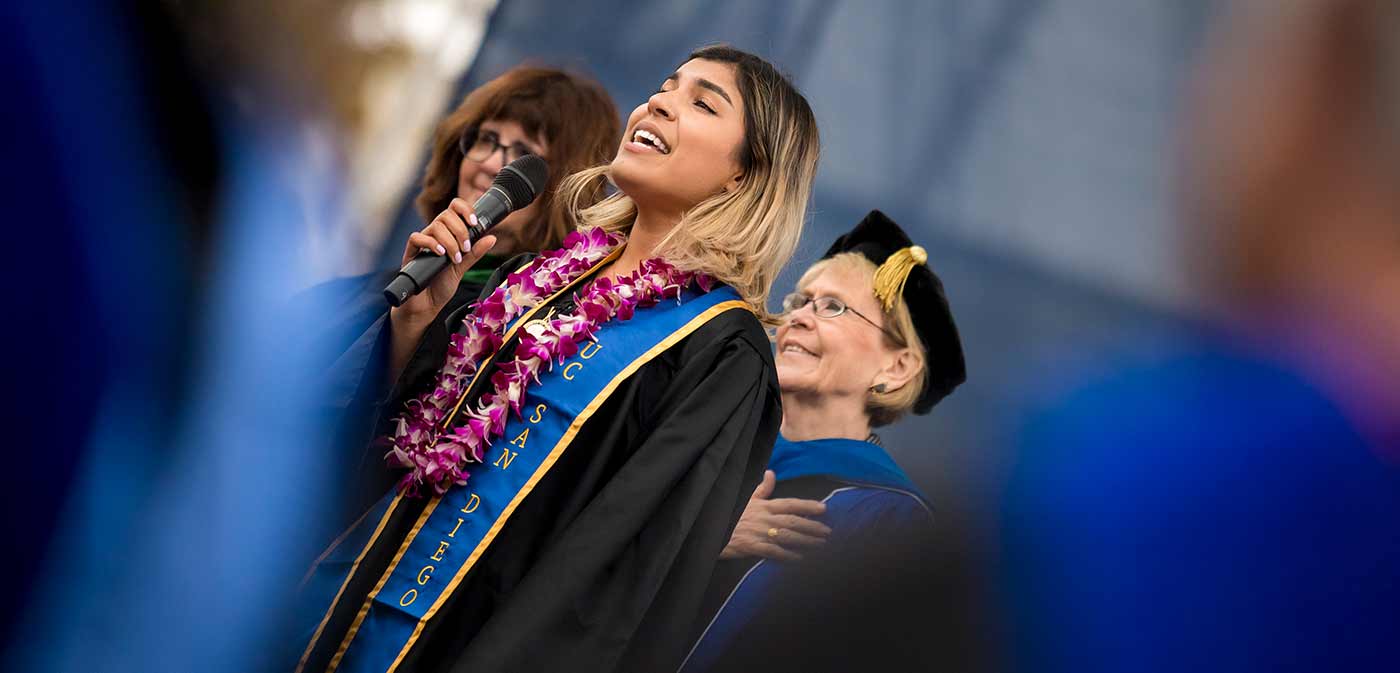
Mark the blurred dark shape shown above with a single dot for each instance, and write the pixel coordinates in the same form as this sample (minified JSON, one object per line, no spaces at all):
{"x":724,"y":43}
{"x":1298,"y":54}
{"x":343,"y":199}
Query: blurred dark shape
{"x":159,"y":435}
{"x":1233,"y":504}
{"x":282,"y":60}
{"x":101,"y":228}
{"x":884,"y":594}
{"x":1206,"y":512}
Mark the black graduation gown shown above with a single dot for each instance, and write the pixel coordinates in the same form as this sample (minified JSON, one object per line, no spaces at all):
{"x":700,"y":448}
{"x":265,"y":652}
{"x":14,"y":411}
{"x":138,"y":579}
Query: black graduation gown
{"x":603,"y":566}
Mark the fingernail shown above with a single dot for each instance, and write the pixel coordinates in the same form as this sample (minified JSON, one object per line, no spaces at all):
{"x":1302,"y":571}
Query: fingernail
{"x":472,"y":218}
{"x":467,"y":244}
{"x":459,"y":258}
{"x":441,"y":250}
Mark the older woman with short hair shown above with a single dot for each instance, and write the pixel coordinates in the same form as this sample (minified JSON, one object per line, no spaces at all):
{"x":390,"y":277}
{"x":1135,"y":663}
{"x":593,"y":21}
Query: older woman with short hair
{"x":823,"y":569}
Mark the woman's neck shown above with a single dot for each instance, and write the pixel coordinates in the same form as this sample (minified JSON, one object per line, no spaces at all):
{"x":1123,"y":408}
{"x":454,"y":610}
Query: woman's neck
{"x":814,"y":417}
{"x":647,"y":232}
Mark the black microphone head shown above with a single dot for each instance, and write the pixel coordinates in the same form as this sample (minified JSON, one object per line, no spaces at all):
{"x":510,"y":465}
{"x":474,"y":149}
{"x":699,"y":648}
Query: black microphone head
{"x":522,"y":180}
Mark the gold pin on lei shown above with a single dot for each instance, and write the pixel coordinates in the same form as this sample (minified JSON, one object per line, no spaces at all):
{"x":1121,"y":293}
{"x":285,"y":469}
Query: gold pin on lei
{"x":891,"y":276}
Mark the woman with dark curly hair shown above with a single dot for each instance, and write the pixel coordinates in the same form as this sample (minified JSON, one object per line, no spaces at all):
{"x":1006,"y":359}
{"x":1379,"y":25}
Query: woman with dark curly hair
{"x":565,"y":118}
{"x":561,"y":117}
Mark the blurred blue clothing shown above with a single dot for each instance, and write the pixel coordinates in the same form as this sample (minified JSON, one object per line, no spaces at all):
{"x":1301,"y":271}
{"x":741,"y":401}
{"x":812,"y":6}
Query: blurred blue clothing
{"x":164,"y":454}
{"x":1208,"y":511}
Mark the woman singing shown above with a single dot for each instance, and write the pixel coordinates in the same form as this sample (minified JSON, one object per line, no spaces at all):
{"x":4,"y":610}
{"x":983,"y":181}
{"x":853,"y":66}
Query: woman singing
{"x":569,"y":478}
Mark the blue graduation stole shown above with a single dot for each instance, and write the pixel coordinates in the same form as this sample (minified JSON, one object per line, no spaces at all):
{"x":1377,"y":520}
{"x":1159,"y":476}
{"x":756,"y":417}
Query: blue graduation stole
{"x":455,"y":529}
{"x":849,"y":461}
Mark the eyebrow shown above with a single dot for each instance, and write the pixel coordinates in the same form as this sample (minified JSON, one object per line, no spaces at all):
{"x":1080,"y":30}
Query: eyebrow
{"x":530,"y":145}
{"x":838,"y":295}
{"x":705,"y":84}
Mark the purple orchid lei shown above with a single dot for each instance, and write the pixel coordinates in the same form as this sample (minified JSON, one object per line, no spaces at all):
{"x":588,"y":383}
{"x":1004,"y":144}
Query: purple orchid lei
{"x":437,"y":457}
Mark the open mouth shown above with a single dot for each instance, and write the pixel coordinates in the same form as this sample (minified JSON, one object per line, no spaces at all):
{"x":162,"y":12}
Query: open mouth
{"x":794,"y":348}
{"x":651,"y":140}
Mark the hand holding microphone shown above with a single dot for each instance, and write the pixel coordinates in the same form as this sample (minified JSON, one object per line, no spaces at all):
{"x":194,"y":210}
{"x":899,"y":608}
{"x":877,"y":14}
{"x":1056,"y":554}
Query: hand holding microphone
{"x":451,"y":239}
{"x":447,"y":232}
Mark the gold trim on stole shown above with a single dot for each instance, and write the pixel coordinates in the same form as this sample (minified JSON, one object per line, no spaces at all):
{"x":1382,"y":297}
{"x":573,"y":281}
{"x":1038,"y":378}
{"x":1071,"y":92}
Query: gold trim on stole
{"x":558,"y":450}
{"x":521,"y":322}
{"x":393,"y":563}
{"x":364,"y":609}
{"x":353,"y":567}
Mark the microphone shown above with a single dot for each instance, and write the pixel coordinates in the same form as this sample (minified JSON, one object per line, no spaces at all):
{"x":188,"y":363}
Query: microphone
{"x":515,"y":187}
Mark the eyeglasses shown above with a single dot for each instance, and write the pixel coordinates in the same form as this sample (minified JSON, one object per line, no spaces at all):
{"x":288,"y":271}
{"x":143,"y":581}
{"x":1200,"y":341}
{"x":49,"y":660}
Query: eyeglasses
{"x":829,"y":307}
{"x":479,"y":146}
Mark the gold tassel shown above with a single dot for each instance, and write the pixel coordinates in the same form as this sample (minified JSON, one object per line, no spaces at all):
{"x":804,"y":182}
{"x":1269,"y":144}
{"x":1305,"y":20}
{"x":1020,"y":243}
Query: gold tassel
{"x":891,"y":276}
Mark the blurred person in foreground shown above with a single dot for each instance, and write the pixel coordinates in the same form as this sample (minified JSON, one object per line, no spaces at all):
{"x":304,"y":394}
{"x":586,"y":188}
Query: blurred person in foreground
{"x":567,"y":480}
{"x":156,"y":481}
{"x":564,"y":118}
{"x":1235,"y":505}
{"x":832,"y":563}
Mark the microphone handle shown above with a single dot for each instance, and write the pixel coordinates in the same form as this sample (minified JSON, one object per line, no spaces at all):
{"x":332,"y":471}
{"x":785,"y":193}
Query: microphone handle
{"x":475,"y":232}
{"x":490,"y":209}
{"x":424,"y":265}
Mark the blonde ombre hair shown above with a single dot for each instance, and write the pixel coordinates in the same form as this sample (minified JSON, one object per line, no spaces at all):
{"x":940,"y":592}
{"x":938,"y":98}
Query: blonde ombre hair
{"x":889,"y":406}
{"x":742,"y":237}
